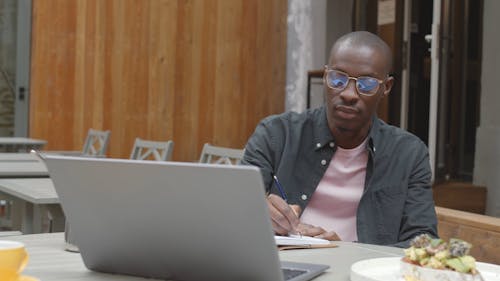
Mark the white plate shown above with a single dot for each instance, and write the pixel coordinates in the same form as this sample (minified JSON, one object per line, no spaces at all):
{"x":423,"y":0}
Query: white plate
{"x":387,"y":269}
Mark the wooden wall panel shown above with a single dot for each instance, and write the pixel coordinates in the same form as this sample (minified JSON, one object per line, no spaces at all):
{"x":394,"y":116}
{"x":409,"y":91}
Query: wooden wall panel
{"x":191,"y":71}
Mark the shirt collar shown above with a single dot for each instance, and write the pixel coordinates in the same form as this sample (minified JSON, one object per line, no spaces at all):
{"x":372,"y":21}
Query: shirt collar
{"x":323,"y":136}
{"x":373,"y":135}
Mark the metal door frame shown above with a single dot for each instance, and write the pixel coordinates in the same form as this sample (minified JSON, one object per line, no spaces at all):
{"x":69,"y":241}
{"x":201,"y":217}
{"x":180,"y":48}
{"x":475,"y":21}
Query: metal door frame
{"x":23,"y":60}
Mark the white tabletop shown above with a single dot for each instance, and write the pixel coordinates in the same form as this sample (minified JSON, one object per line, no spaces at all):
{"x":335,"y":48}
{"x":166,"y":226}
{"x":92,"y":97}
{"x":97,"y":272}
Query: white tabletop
{"x":18,"y":144}
{"x":32,"y":200}
{"x":33,"y":190}
{"x":341,"y":258}
{"x":22,"y":165}
{"x":21,"y":141}
{"x":49,"y":262}
{"x":21,"y":157}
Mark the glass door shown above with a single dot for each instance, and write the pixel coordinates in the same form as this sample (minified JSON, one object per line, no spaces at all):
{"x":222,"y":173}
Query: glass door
{"x":459,"y":88}
{"x":444,"y":82}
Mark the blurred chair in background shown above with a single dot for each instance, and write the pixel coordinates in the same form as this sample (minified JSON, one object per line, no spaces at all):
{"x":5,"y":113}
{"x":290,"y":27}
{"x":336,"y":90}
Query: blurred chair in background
{"x":152,"y":150}
{"x":96,"y":143}
{"x":220,"y":155}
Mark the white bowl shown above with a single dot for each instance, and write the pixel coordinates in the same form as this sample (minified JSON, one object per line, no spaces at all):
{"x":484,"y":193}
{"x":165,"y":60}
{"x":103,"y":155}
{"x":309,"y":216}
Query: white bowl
{"x":420,"y":273}
{"x":389,"y":269}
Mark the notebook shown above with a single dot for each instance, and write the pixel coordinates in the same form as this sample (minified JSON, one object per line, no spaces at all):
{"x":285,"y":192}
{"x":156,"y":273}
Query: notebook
{"x":171,"y":220}
{"x":296,"y":240}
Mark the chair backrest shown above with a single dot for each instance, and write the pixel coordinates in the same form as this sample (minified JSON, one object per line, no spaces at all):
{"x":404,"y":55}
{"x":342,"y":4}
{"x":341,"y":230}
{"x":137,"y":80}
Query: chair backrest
{"x":96,"y":143}
{"x":220,"y":155}
{"x":152,"y":150}
{"x":482,"y":231}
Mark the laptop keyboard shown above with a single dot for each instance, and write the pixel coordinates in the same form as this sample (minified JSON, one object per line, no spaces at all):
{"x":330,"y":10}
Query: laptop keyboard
{"x":290,"y":273}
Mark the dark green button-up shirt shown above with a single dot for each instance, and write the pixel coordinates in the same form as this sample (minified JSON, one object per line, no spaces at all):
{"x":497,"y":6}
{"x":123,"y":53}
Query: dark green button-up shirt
{"x":397,"y":202}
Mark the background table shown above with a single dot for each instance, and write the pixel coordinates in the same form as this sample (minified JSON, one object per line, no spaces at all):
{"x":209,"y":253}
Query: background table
{"x":17,"y":144}
{"x":32,"y":198}
{"x":17,"y":165}
{"x":20,"y":165}
{"x":49,"y":261}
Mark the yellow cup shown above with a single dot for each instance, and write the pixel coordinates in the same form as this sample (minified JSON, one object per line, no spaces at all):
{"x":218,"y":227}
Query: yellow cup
{"x":13,"y":259}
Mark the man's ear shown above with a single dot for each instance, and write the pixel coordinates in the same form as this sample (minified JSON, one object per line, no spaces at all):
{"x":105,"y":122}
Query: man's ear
{"x":388,"y":85}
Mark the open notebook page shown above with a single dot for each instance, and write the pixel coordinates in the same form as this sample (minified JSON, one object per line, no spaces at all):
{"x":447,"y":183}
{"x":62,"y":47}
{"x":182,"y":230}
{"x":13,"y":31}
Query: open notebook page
{"x":293,"y":239}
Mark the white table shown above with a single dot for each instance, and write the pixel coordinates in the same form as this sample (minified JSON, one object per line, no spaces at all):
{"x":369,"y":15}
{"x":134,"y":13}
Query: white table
{"x":33,"y":198}
{"x":49,"y":262}
{"x":17,"y":144}
{"x":20,"y":165}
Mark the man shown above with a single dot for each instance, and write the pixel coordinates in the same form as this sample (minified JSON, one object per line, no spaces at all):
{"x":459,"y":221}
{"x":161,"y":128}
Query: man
{"x":346,"y":174}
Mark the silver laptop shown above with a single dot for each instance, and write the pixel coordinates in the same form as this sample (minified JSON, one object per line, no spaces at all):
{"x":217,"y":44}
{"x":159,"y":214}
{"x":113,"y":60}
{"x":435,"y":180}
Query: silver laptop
{"x":171,"y":220}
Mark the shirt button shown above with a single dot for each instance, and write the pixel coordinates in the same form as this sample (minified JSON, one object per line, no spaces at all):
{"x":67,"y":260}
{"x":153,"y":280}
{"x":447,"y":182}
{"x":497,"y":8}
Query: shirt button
{"x":303,"y":197}
{"x":323,"y":162}
{"x":332,"y":144}
{"x":318,"y":145}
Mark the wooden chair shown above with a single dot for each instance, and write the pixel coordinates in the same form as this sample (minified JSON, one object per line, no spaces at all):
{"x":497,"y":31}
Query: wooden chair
{"x":96,"y":143}
{"x":463,"y":196}
{"x":220,"y":155}
{"x":152,"y":150}
{"x":483,"y":232}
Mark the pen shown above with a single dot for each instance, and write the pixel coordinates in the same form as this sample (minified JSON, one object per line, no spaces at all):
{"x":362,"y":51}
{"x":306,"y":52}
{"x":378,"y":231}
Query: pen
{"x":280,"y":188}
{"x":283,"y":195}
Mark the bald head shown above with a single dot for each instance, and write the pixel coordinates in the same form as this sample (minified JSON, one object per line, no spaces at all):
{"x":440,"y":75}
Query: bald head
{"x":364,"y":39}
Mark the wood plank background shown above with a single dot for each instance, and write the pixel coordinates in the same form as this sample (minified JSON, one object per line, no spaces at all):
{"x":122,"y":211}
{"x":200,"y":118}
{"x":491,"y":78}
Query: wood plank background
{"x":190,"y":71}
{"x":483,"y":232}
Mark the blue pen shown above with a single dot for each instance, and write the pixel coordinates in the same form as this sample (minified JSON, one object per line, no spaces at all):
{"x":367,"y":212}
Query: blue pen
{"x":283,"y":195}
{"x":280,"y":188}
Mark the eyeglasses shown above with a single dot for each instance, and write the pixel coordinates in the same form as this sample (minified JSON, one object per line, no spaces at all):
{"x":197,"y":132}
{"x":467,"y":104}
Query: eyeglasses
{"x":338,"y":80}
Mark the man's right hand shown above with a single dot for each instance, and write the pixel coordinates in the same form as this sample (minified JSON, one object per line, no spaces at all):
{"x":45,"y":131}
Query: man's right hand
{"x":284,"y":217}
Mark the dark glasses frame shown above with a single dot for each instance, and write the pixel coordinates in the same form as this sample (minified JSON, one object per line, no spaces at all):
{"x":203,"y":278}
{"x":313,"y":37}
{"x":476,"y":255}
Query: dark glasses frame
{"x":364,"y":93}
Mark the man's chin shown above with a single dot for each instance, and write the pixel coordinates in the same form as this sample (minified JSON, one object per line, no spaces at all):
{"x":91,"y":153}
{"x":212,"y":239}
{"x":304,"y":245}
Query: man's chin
{"x":344,"y":129}
{"x":345,"y":126}
{"x":350,"y":128}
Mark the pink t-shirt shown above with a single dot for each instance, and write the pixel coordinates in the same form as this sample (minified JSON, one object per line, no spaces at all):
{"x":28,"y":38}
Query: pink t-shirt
{"x":334,"y":204}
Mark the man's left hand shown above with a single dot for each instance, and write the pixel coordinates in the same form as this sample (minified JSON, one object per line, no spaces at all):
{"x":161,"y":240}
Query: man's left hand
{"x":316,"y":231}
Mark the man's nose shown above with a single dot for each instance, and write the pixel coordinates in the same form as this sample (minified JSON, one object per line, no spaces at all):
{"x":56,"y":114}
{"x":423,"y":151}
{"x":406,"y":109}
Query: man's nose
{"x":350,"y":93}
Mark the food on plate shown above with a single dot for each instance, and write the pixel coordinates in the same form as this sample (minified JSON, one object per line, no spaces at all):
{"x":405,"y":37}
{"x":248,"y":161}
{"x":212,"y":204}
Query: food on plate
{"x":431,"y":259}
